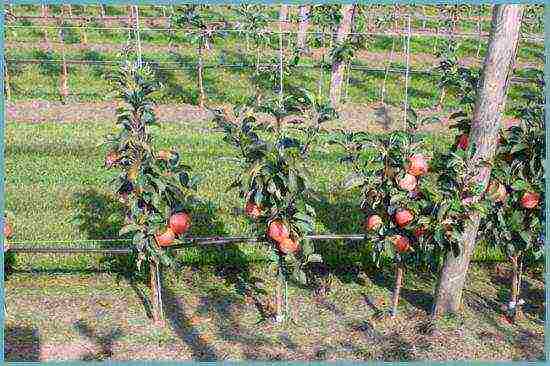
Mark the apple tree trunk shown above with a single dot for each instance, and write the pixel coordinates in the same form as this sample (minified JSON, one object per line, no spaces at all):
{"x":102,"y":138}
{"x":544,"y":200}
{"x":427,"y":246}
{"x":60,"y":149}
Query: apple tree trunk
{"x":486,"y":123}
{"x":398,"y":284}
{"x":303,"y":12}
{"x":156,"y":298}
{"x":338,"y":66}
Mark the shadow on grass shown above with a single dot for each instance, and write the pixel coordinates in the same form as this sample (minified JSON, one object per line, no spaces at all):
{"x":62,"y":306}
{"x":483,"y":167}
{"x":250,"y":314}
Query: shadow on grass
{"x":100,"y":216}
{"x":182,"y":326}
{"x":21,"y":344}
{"x":232,"y":328}
{"x":104,"y":341}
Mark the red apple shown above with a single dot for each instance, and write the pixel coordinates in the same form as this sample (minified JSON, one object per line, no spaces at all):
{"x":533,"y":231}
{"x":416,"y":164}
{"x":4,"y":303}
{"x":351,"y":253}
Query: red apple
{"x":418,"y":165}
{"x":408,"y":182}
{"x":253,"y":210}
{"x":180,"y":222}
{"x":277,"y":231}
{"x":530,"y":199}
{"x":165,"y":238}
{"x":373,"y":223}
{"x":403,"y":217}
{"x":463,"y":141}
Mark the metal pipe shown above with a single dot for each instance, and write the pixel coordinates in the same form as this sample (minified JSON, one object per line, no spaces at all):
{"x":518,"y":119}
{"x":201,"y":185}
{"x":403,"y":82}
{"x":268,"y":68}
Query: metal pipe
{"x":192,"y":242}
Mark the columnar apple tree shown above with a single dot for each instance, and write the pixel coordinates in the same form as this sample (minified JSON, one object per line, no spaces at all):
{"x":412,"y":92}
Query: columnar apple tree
{"x":274,"y":184}
{"x":398,"y":194}
{"x":157,"y":189}
{"x":517,"y":190}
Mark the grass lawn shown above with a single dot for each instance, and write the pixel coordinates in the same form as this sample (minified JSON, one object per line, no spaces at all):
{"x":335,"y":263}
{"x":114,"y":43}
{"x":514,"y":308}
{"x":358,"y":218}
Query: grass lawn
{"x":217,"y":299}
{"x":57,"y":190}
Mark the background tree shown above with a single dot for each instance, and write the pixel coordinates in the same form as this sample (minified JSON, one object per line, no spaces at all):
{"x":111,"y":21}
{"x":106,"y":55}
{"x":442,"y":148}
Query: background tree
{"x":303,"y":26}
{"x":338,"y":63}
{"x":204,"y":29}
{"x":486,"y":123}
{"x":517,"y":189}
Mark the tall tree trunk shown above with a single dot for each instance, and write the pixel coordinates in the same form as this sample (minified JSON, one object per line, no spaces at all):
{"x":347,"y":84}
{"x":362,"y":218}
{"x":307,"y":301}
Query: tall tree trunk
{"x":486,"y":122}
{"x":338,"y":66}
{"x":517,"y":270}
{"x":303,"y":12}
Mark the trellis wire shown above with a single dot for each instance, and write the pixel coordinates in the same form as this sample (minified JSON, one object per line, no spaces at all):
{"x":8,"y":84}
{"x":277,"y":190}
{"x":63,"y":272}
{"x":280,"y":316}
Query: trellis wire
{"x":137,"y":35}
{"x":408,"y":50}
{"x":280,"y":66}
{"x":536,"y":38}
{"x":396,"y":70}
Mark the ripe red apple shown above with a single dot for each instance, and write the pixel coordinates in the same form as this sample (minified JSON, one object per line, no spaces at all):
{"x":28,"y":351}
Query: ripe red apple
{"x":401,"y":243}
{"x":253,"y":210}
{"x":288,"y":245}
{"x":180,"y":222}
{"x":463,"y":141}
{"x":530,"y":199}
{"x":418,"y":165}
{"x":408,"y":182}
{"x":373,"y":223}
{"x":277,"y":231}
{"x":165,"y":238}
{"x":403,"y":217}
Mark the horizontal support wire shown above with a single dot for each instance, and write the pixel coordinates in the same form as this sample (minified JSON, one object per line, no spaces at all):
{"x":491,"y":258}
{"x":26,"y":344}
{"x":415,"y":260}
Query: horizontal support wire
{"x":123,"y":18}
{"x":204,"y":241}
{"x":536,"y":38}
{"x":394,"y":70}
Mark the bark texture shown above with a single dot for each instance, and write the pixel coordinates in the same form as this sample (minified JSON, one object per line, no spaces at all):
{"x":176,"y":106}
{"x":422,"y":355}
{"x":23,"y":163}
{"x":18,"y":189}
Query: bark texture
{"x":486,"y":123}
{"x":301,"y":40}
{"x":338,"y":66}
{"x":156,"y":302}
{"x":397,"y":290}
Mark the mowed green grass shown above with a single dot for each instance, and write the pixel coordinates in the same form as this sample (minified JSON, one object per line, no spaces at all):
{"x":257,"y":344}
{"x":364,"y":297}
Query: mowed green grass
{"x":364,"y":86}
{"x":58,"y":192}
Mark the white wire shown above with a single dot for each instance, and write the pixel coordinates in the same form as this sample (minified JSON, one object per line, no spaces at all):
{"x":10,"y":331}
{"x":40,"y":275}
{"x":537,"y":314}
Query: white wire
{"x":408,"y":46}
{"x":137,"y":35}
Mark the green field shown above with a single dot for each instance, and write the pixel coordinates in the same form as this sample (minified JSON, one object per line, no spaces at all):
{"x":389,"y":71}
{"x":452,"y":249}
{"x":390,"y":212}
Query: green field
{"x":219,"y":299}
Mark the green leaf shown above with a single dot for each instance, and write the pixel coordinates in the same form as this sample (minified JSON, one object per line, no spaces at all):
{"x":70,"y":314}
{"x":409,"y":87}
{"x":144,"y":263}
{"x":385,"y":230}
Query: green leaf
{"x":519,"y":185}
